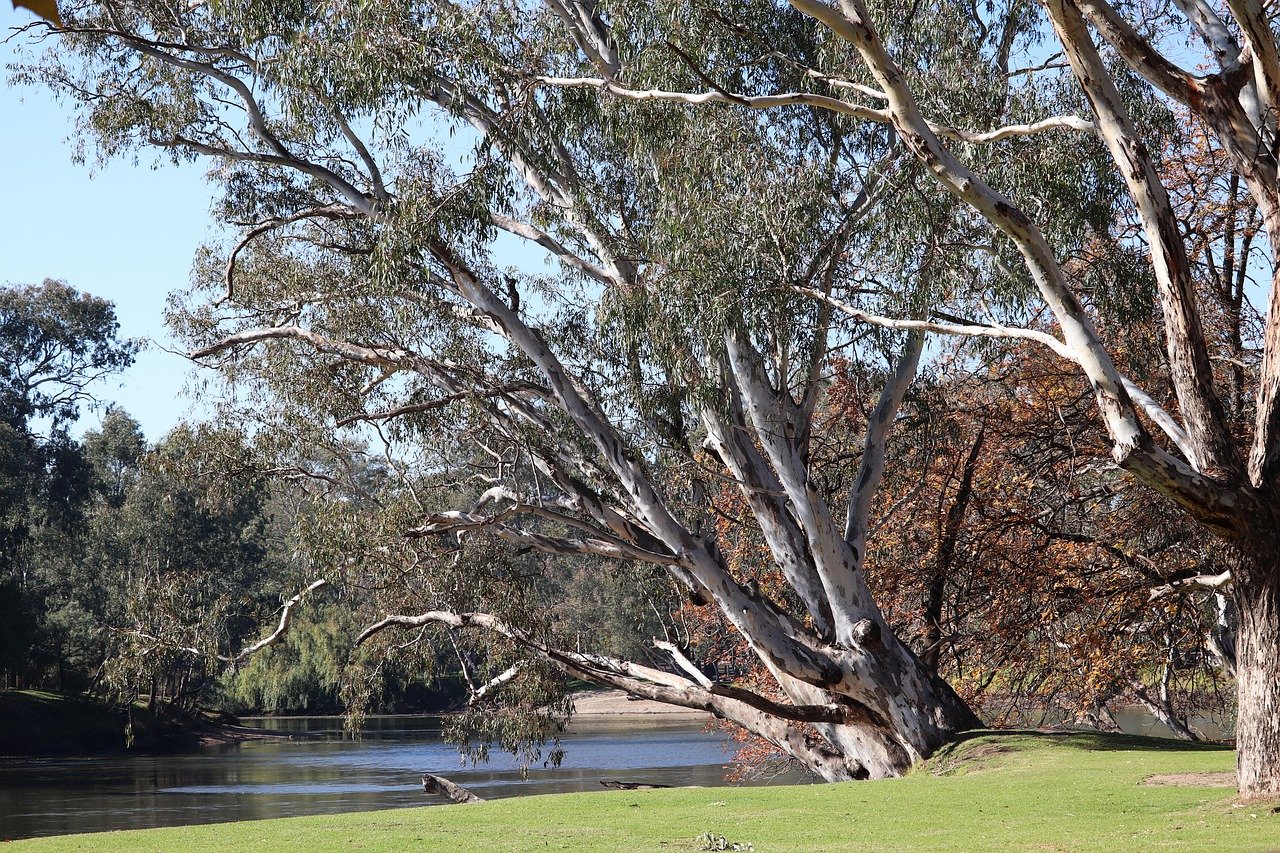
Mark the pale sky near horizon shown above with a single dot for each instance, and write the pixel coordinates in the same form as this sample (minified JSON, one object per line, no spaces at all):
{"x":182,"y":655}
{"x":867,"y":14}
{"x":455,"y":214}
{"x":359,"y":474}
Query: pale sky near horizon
{"x":125,"y":232}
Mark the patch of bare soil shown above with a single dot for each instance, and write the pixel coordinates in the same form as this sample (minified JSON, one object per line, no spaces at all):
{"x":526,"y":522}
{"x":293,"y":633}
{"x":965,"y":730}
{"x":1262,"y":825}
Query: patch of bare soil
{"x":618,"y":703}
{"x":1224,"y":779}
{"x":226,"y":734}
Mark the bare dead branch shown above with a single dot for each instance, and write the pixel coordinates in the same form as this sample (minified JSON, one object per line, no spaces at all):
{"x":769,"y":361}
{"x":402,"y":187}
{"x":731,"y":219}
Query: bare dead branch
{"x":1213,"y":582}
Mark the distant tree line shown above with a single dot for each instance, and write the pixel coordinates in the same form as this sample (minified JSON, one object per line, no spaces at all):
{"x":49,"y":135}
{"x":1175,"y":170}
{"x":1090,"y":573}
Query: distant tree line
{"x":130,"y":568}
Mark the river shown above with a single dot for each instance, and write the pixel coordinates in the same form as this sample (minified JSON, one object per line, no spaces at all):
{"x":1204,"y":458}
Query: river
{"x":265,"y":779}
{"x":327,"y":774}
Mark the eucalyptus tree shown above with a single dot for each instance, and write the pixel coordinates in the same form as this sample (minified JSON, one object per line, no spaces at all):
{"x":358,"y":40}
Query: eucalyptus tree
{"x":713,"y":196}
{"x":1196,"y":450}
{"x":1224,"y":477}
{"x":184,"y":553}
{"x":55,"y":342}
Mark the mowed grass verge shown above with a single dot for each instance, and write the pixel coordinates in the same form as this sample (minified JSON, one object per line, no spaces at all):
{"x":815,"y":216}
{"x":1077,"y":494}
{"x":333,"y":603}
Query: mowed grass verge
{"x":1020,"y":791}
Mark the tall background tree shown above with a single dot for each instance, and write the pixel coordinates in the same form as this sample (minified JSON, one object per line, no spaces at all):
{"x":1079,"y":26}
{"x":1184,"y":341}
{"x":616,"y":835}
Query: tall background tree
{"x":54,"y":343}
{"x":105,"y":537}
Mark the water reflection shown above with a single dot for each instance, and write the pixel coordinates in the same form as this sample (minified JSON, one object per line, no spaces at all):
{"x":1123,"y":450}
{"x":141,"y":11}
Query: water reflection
{"x":313,"y":776}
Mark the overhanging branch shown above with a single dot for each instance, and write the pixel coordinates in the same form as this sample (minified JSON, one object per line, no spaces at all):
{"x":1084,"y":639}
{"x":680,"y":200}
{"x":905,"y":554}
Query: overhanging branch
{"x":635,"y":679}
{"x":1157,"y":413}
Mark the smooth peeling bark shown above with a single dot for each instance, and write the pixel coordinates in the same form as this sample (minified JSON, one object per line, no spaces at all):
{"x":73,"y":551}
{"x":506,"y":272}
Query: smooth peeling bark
{"x":904,"y":712}
{"x":1188,"y":352}
{"x":897,"y":712}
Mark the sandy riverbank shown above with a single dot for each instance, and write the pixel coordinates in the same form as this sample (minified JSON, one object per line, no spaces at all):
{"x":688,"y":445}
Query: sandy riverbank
{"x":601,"y":703}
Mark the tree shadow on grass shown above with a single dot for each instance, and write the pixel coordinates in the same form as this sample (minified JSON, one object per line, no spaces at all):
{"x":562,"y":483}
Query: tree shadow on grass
{"x":1093,"y":741}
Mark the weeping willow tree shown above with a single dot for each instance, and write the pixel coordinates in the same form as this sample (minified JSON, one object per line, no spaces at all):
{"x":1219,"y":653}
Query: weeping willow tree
{"x":580,"y":265}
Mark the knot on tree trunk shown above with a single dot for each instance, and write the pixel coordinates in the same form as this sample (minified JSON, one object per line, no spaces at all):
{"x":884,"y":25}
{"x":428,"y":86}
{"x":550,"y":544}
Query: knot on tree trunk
{"x":866,"y":632}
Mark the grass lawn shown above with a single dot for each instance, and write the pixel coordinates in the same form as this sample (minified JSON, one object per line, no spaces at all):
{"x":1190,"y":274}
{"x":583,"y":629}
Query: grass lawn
{"x":992,"y":792}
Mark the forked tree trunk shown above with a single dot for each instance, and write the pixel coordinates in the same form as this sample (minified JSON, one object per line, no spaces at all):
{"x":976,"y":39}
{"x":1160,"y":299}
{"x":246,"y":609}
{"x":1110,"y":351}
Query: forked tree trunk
{"x":1257,"y":595}
{"x":900,"y":711}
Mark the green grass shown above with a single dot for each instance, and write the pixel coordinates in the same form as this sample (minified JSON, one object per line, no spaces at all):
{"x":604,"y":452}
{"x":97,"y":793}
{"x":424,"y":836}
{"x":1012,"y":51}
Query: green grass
{"x":1019,"y":791}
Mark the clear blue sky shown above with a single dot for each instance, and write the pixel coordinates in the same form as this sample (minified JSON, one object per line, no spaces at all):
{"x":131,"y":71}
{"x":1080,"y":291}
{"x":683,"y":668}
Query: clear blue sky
{"x":125,"y":232}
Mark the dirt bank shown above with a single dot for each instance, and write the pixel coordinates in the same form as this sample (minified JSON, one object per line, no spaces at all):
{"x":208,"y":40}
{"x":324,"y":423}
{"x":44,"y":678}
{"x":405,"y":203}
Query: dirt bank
{"x":601,"y":703}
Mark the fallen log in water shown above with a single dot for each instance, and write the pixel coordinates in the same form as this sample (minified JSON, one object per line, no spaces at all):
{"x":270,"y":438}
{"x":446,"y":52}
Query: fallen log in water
{"x":631,"y":786}
{"x":433,"y":784}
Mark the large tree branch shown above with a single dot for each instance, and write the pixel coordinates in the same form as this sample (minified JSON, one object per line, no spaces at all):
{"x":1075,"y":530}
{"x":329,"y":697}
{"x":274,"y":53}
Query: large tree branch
{"x":1256,"y":27}
{"x":691,"y":554}
{"x":1139,"y":53}
{"x":504,"y":677}
{"x":378,"y":356}
{"x":558,"y":188}
{"x":761,"y":716}
{"x":357,"y":199}
{"x":871,"y":467}
{"x":634,"y":678}
{"x":1211,"y":582}
{"x":441,"y":402}
{"x":771,"y":412}
{"x":599,"y":545}
{"x":554,"y":246}
{"x":811,"y":99}
{"x":1264,"y":454}
{"x":731,"y":440}
{"x":253,"y":109}
{"x":582,"y":19}
{"x":286,"y":617}
{"x":1188,"y":351}
{"x":1230,"y":104}
{"x":362,"y":151}
{"x":1214,"y":31}
{"x":1132,"y":448}
{"x":1153,"y":410}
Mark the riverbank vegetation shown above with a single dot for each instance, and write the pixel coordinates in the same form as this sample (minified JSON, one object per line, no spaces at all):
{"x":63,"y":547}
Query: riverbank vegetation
{"x":1078,"y":792}
{"x":133,"y":572}
{"x":38,"y":724}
